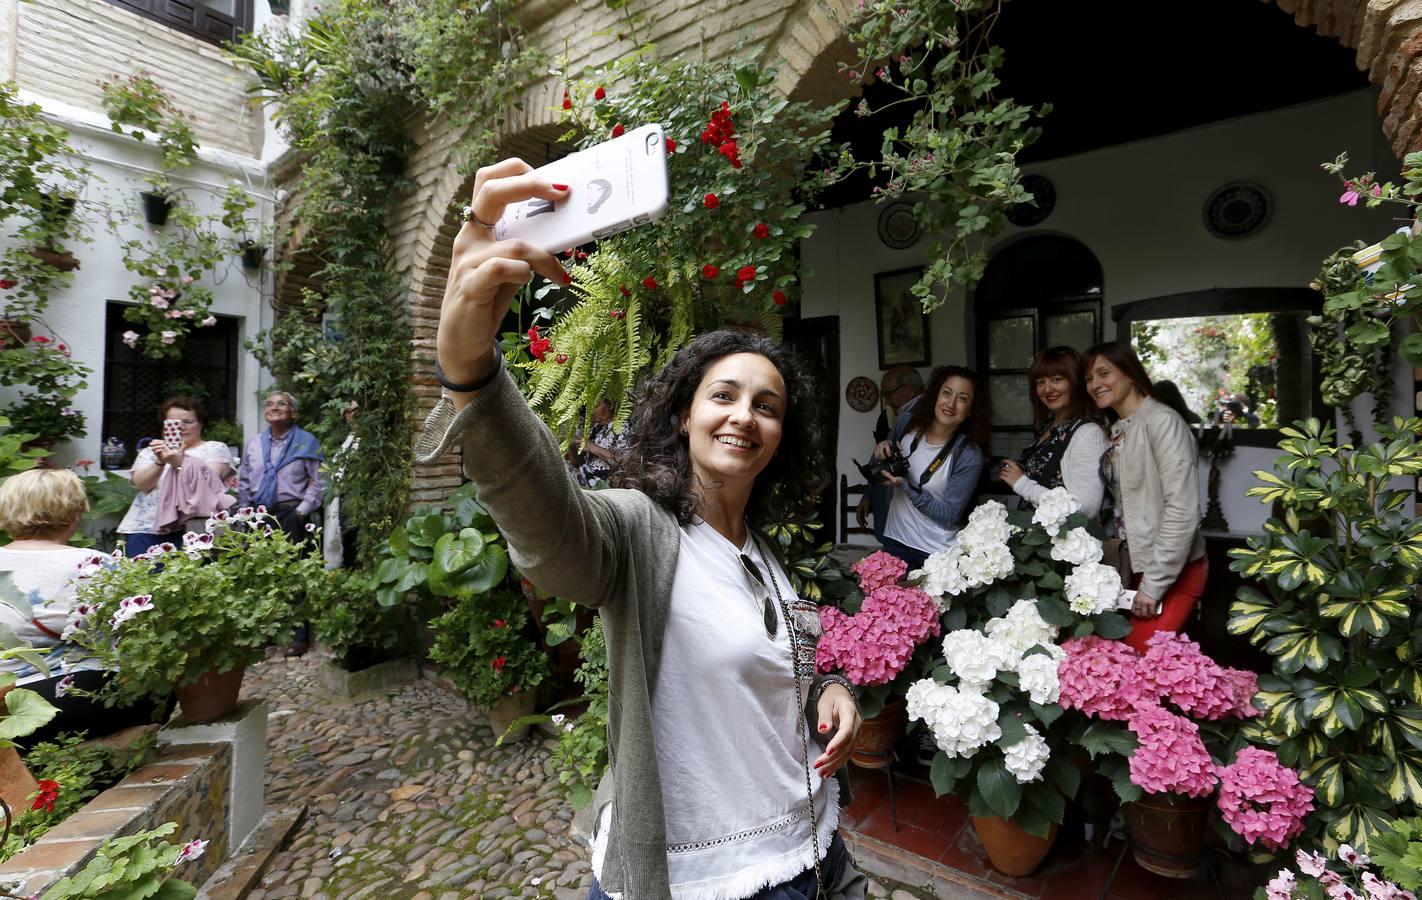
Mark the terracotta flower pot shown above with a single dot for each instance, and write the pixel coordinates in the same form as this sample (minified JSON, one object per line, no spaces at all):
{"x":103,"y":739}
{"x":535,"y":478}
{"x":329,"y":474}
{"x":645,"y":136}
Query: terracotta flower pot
{"x":16,"y":782}
{"x":1010,"y":849}
{"x":1168,"y":833}
{"x":64,"y":261}
{"x":509,"y":708}
{"x":878,"y":735}
{"x":211,"y":697}
{"x":14,"y":333}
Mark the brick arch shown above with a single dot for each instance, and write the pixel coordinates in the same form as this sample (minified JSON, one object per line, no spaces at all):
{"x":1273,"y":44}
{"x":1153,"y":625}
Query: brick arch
{"x":1387,"y":35}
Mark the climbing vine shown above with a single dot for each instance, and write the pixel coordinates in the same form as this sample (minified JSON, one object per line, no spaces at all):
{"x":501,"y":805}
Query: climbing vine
{"x":347,"y":88}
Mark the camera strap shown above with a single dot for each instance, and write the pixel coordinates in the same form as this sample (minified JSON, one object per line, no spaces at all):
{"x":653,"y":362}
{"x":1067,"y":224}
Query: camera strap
{"x":938,"y":460}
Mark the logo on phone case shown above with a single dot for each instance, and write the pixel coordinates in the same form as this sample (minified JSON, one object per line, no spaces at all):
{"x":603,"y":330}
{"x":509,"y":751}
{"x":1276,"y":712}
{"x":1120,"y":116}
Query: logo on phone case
{"x":602,"y":189}
{"x":537,"y":207}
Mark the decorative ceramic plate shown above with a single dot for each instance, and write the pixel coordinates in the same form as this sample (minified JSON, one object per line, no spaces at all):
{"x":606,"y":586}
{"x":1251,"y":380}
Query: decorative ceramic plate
{"x":862,"y":393}
{"x":898,"y":228}
{"x":1237,"y":210}
{"x":1044,"y":196}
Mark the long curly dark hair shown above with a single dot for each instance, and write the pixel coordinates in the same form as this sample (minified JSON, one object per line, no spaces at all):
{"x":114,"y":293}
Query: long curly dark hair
{"x":657,"y":462}
{"x":977,"y":427}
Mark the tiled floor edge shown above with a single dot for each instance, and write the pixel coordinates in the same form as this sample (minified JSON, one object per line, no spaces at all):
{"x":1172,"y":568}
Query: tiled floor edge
{"x":877,"y":858}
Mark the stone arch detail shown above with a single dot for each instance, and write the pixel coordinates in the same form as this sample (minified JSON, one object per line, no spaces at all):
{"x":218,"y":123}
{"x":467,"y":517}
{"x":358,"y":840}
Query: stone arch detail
{"x":1387,"y":35}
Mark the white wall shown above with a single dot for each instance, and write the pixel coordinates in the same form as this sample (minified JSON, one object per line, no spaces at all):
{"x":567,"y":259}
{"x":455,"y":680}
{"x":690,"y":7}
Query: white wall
{"x":1138,"y":208}
{"x":77,"y":315}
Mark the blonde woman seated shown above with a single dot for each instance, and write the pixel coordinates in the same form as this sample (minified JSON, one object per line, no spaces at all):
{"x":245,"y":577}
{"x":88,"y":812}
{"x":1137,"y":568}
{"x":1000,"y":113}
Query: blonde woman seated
{"x":41,"y":510}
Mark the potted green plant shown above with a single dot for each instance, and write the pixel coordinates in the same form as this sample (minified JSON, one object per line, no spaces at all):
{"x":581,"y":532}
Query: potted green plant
{"x":346,"y":617}
{"x":194,"y":624}
{"x":138,"y":865}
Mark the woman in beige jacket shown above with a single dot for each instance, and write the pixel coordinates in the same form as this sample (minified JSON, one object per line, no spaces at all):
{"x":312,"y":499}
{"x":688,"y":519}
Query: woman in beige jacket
{"x":1152,"y":468}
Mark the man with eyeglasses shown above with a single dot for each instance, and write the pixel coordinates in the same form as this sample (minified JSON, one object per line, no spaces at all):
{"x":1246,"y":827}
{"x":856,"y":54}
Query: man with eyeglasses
{"x":281,"y":470}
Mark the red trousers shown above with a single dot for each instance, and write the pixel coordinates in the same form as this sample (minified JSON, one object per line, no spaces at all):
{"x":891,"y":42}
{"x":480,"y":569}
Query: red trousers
{"x":1179,"y":602}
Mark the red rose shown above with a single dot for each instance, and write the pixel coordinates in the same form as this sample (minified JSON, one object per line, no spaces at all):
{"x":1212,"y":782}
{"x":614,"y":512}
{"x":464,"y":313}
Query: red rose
{"x":671,"y":146}
{"x":778,"y":297}
{"x":709,"y":272}
{"x":617,"y":130}
{"x":6,"y":284}
{"x":499,"y":623}
{"x":599,"y":94}
{"x":560,"y":358}
{"x":711,"y":201}
{"x":623,"y":289}
{"x":567,"y":101}
{"x":649,"y":283}
{"x":745,"y":273}
{"x":499,"y":663}
{"x":41,"y":339}
{"x":537,"y":344}
{"x":731,"y":152}
{"x":761,"y":231}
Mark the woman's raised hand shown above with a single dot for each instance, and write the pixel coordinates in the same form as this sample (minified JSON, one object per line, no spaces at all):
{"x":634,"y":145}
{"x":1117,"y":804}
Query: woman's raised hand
{"x":484,"y":274}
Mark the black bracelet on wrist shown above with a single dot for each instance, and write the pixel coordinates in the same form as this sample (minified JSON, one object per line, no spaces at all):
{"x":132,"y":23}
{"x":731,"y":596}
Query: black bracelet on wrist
{"x":832,"y":678}
{"x":477,"y":384}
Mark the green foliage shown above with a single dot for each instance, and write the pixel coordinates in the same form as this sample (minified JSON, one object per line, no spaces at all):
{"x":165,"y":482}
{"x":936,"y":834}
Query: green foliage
{"x":1354,"y":358}
{"x":957,"y":156}
{"x":224,"y":430}
{"x":485,"y":645}
{"x":581,"y":754}
{"x":13,"y":457}
{"x":137,"y":867}
{"x":345,"y":87}
{"x":621,"y":325}
{"x":811,"y":567}
{"x":139,"y":105}
{"x":212,"y":608}
{"x":1337,"y":578}
{"x":347,"y":617}
{"x":441,"y":554}
{"x":1398,"y":852}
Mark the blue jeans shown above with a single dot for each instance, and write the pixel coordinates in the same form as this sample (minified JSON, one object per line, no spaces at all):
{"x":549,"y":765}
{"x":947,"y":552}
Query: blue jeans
{"x":911,"y":555}
{"x":801,"y":887}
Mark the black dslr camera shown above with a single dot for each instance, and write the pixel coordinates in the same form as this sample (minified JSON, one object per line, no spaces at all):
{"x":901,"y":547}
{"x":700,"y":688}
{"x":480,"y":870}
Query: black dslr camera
{"x":875,"y":469}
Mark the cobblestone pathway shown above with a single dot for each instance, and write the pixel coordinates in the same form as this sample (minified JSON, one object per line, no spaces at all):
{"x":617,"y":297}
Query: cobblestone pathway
{"x":408,"y":798}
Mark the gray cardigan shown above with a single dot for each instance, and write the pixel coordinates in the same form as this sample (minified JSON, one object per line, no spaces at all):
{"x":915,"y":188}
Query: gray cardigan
{"x":615,"y":550}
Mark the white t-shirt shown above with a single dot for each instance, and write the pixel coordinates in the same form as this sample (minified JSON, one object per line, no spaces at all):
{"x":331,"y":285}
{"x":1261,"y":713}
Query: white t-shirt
{"x":141,"y":515}
{"x":724,"y":721}
{"x":45,"y":578}
{"x":905,"y":523}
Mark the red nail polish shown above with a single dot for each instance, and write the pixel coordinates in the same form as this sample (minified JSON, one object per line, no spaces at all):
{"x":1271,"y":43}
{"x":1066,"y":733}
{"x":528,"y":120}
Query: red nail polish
{"x":560,"y":187}
{"x":567,"y":277}
{"x":824,"y":728}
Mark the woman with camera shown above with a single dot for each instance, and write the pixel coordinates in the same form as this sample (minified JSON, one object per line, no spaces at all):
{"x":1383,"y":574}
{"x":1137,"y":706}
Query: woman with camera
{"x":1070,"y":441}
{"x":702,"y":625}
{"x":932,"y":461}
{"x":1152,"y":468}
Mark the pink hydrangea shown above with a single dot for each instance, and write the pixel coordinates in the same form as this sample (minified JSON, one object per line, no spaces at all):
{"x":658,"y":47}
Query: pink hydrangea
{"x":1101,"y":678}
{"x":1174,"y":668}
{"x":1171,"y":757}
{"x":1263,"y":800}
{"x":1246,"y":685}
{"x":874,"y":645}
{"x":878,"y":569}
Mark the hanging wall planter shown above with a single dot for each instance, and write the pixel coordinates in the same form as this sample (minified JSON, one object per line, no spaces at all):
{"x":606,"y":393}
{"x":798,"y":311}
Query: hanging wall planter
{"x":62,"y":260}
{"x":252,"y":254}
{"x":156,"y":207}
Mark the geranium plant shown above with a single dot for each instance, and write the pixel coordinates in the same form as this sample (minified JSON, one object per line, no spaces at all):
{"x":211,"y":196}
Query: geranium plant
{"x":1181,"y":712}
{"x":486,"y":646}
{"x":139,"y":865}
{"x":1333,"y":602}
{"x":213,"y":605}
{"x":1349,"y":876}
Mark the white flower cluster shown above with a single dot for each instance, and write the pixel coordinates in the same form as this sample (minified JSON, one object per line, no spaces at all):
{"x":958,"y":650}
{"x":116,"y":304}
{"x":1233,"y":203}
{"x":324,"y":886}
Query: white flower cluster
{"x":1037,"y":675}
{"x":1054,"y":508}
{"x":987,"y":526}
{"x":1093,"y":588}
{"x":1022,"y":628}
{"x":1026,"y":758}
{"x":976,"y":658}
{"x":940,"y":574}
{"x":980,"y":556}
{"x":985,"y":564}
{"x":1077,"y":547}
{"x":962,"y":720}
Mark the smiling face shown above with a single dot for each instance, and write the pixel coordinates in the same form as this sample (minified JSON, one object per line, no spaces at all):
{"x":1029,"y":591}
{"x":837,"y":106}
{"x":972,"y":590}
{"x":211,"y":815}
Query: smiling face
{"x":954,"y":403}
{"x":735,"y":420}
{"x":1108,"y":385}
{"x":1054,"y":391}
{"x":278,"y":411}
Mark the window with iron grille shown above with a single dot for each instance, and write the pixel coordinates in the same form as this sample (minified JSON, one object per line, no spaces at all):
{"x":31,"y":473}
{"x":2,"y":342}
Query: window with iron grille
{"x":212,"y":20}
{"x":135,"y":385}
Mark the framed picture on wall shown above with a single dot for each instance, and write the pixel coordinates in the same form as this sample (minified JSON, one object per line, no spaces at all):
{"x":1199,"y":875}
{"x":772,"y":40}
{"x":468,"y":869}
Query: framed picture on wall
{"x":902,"y":324}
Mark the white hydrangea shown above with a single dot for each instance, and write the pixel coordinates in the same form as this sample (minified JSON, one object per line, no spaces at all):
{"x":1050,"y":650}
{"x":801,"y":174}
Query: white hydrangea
{"x":962,"y":720}
{"x":1077,"y":547}
{"x":941,"y":575}
{"x":987,"y":528}
{"x":1037,"y":675}
{"x":985,"y":564}
{"x":1026,"y":758}
{"x":1054,"y":508}
{"x":1022,"y":628}
{"x":1093,"y":588}
{"x":974,"y":657}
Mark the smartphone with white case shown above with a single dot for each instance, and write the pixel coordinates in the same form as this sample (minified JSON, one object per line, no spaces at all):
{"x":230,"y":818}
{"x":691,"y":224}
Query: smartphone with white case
{"x":616,"y":185}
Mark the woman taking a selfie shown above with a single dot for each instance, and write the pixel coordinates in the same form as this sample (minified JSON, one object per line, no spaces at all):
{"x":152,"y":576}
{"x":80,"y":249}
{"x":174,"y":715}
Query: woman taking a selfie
{"x":1070,"y":441}
{"x":1152,"y":468}
{"x":943,"y":434}
{"x":701,"y":623}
